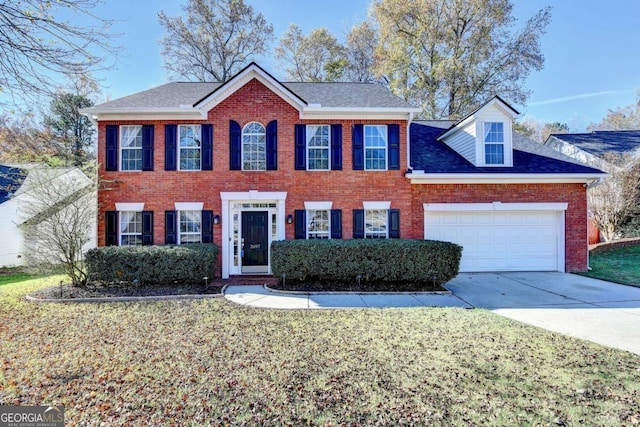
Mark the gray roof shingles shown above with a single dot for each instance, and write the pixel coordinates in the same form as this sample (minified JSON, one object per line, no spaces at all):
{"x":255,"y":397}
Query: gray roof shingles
{"x":600,"y":143}
{"x":435,"y":157}
{"x":336,"y":95}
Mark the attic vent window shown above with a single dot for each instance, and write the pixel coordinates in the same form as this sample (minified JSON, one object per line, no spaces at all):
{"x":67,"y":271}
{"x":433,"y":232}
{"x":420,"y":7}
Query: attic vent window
{"x":494,"y":143}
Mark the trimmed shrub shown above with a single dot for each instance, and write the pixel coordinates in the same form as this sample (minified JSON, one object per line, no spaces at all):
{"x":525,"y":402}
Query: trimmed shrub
{"x":152,"y":265}
{"x":421,"y":262}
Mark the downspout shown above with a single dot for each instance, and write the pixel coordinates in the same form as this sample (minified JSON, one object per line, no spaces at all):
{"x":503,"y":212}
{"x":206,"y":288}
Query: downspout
{"x":409,"y":167}
{"x":587,"y":186}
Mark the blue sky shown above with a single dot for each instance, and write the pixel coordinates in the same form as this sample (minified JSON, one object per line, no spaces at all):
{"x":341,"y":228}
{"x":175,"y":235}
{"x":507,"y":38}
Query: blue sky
{"x":591,"y":49}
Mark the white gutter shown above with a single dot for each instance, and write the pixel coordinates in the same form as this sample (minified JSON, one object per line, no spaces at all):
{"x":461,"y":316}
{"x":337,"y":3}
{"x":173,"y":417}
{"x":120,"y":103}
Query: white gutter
{"x":419,"y":177}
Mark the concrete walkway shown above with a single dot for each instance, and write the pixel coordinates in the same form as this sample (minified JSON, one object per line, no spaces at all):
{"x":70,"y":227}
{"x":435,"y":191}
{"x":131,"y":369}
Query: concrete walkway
{"x":591,"y":309}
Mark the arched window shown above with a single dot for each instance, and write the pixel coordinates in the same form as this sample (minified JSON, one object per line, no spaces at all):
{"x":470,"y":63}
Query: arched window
{"x":254,"y":147}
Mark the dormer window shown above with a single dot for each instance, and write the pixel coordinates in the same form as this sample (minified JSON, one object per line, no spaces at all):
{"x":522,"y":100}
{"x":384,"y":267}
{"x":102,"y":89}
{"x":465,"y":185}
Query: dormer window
{"x":494,"y":143}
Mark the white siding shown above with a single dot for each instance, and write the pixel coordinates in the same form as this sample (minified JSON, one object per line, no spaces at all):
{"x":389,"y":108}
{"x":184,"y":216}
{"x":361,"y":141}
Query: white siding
{"x":464,"y":142}
{"x":494,"y":114}
{"x":11,"y":243}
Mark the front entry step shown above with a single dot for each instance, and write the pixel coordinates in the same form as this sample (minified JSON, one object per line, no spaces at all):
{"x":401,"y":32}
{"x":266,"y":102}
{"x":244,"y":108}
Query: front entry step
{"x":250,"y":279}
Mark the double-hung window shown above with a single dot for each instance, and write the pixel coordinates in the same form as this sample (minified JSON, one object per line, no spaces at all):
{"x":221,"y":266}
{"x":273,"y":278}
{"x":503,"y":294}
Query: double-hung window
{"x":131,"y":148}
{"x":318,"y":146}
{"x":318,"y":225}
{"x":130,"y":228}
{"x":494,"y":143}
{"x":375,"y":147}
{"x":190,"y":223}
{"x":375,"y":221}
{"x":190,"y":147}
{"x":254,"y":147}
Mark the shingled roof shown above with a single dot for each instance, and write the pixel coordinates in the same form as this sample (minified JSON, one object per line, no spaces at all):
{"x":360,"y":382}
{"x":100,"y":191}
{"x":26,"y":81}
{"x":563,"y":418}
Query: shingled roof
{"x":10,"y":181}
{"x":599,"y":143}
{"x":435,"y":157}
{"x":338,"y":95}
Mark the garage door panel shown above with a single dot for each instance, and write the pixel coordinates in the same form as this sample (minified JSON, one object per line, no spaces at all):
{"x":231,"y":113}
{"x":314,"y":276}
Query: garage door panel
{"x":499,"y":241}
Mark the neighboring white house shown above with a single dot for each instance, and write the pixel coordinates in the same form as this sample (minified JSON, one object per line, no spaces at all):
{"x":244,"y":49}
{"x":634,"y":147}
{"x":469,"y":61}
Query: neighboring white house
{"x":21,"y":190}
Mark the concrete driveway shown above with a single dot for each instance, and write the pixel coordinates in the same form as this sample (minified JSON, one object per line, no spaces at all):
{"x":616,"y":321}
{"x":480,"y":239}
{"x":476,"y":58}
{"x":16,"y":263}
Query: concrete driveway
{"x":591,"y":309}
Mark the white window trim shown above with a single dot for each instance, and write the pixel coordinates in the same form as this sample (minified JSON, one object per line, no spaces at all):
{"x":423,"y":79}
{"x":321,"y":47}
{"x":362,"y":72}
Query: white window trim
{"x":386,"y":229}
{"x":318,"y":206}
{"x":179,"y":239}
{"x":376,"y":205}
{"x":180,"y":148}
{"x":386,"y":147}
{"x":189,"y":206}
{"x":328,"y":222}
{"x":130,"y":207}
{"x":328,"y":148}
{"x":120,"y":228}
{"x":242,"y":147}
{"x":121,"y":148}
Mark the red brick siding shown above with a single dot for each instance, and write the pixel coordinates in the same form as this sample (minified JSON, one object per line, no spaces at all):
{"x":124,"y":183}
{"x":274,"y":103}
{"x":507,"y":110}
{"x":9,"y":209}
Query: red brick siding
{"x":573,"y":194}
{"x":160,"y":189}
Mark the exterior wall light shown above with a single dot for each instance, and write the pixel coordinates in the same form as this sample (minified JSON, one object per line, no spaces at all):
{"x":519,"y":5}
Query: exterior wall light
{"x":216,"y":219}
{"x":289,"y":219}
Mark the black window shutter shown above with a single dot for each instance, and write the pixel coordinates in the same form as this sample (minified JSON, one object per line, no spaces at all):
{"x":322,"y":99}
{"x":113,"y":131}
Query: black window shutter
{"x":111,"y":228}
{"x":170,"y":225}
{"x":300,"y":224}
{"x":147,"y":227}
{"x":272,"y":145}
{"x":357,"y":145}
{"x":235,"y":148}
{"x":207,"y":226}
{"x":207,"y":147}
{"x":111,"y":146}
{"x":301,"y":147}
{"x":394,"y":223}
{"x":393,"y":140}
{"x":358,"y":223}
{"x":336,"y":223}
{"x":336,"y":147}
{"x":170,"y":147}
{"x":147,"y":147}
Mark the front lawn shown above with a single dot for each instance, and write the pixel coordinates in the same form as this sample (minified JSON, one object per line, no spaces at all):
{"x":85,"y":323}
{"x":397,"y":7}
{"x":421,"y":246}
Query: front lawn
{"x":208,"y":362}
{"x":619,"y":264}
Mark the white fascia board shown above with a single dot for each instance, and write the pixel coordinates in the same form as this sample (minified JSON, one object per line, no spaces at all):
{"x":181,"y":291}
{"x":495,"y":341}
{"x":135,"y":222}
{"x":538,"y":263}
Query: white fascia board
{"x":465,"y":178}
{"x":147,"y":114}
{"x":494,"y":206}
{"x":243,"y":78}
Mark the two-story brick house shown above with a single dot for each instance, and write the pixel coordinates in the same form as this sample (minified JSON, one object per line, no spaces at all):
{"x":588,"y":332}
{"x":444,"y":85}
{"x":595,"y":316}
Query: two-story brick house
{"x":252,"y":160}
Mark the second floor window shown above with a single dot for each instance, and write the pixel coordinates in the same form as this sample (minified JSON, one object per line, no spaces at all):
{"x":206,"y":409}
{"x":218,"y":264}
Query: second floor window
{"x":494,"y":143}
{"x":375,"y":147}
{"x":190,"y":147}
{"x":318,"y":144}
{"x":254,"y":147}
{"x":131,"y":148}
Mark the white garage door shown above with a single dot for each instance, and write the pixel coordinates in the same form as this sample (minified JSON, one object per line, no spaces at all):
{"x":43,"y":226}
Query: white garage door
{"x":501,"y":240}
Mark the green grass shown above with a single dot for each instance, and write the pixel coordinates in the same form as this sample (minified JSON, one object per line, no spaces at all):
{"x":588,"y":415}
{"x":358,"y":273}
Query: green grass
{"x":14,"y":275}
{"x":619,"y":264}
{"x":209,"y":362}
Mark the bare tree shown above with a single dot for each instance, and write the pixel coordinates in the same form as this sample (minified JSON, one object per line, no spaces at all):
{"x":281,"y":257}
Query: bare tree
{"x":314,"y":58}
{"x":59,"y":209}
{"x":360,"y":52}
{"x":22,"y":140}
{"x":37,"y":44}
{"x":614,"y":201}
{"x":217,"y":38}
{"x":450,"y":56}
{"x":621,"y":118}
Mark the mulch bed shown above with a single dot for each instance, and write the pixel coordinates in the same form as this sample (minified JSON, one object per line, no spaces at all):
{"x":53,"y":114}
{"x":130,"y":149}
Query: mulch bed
{"x":363,"y":287}
{"x":68,"y":291}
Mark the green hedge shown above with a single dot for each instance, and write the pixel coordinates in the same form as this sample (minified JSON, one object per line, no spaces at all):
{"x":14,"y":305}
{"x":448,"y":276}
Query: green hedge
{"x":342,"y":261}
{"x":152,"y":265}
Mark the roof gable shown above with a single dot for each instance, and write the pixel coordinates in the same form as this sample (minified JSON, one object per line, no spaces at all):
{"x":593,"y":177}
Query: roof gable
{"x":600,"y":143}
{"x":250,"y":72}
